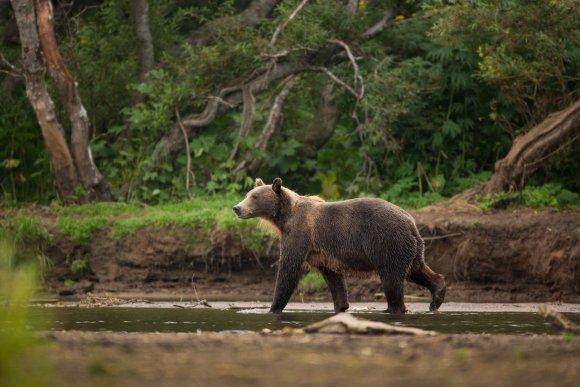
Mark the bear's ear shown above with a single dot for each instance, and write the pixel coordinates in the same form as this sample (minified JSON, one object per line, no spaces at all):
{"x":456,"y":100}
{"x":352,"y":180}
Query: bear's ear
{"x":277,"y":185}
{"x":258,"y":182}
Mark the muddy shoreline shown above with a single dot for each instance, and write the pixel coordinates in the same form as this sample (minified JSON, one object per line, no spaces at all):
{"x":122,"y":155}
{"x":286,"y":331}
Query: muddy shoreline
{"x":190,"y":359}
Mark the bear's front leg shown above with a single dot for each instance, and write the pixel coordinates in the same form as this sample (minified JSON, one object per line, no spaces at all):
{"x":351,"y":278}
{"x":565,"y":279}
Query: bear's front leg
{"x":286,"y":280}
{"x":337,"y":286}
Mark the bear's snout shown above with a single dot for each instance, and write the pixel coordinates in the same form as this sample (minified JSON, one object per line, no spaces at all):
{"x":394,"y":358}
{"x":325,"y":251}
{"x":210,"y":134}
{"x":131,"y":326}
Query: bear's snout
{"x":237,"y":210}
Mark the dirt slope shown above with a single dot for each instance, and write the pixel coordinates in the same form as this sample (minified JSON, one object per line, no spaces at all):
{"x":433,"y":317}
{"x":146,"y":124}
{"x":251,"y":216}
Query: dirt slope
{"x":509,"y":255}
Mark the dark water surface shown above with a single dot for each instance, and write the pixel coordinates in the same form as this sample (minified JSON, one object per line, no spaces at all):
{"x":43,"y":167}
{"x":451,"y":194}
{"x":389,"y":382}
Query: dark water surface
{"x":192,"y":320}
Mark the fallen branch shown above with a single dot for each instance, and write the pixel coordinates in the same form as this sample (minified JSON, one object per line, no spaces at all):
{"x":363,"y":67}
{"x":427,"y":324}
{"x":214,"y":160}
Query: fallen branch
{"x":558,"y":319}
{"x":201,"y":303}
{"x":344,"y":323}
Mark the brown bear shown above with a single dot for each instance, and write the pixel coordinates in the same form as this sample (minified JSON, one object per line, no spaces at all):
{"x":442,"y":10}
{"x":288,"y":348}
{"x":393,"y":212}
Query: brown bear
{"x":338,"y":238}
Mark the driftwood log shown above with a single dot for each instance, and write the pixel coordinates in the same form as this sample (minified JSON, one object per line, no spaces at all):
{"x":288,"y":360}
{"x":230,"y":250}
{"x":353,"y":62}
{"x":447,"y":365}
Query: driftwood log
{"x":344,"y":323}
{"x":558,"y":319}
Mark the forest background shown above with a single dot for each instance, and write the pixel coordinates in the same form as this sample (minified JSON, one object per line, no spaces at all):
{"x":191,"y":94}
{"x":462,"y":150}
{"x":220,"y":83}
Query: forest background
{"x":413,"y":101}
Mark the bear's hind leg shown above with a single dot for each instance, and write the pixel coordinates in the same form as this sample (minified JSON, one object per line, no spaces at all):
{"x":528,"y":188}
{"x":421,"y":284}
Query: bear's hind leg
{"x":337,"y":286}
{"x":435,"y":282}
{"x":394,"y":291}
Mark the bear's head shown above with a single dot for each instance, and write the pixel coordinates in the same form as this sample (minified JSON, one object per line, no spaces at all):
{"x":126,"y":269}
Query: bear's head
{"x":262,"y":201}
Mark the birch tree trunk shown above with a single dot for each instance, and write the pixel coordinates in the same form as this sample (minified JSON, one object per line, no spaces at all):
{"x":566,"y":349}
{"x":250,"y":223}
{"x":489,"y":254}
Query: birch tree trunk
{"x":38,"y":41}
{"x":94,"y":184}
{"x":65,"y":176}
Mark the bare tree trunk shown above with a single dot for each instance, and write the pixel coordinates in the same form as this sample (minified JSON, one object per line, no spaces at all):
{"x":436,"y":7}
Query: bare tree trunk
{"x":92,"y":180}
{"x":140,"y":9}
{"x":531,"y":150}
{"x":65,"y":177}
{"x":322,"y":126}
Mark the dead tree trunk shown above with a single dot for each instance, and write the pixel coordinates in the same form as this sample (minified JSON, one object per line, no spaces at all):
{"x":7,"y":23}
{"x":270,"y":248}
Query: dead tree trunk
{"x":65,"y":177}
{"x":530,"y":150}
{"x":93,"y":182}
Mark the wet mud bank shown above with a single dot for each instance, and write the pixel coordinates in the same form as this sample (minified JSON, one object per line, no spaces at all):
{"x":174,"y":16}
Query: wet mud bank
{"x":493,"y":256}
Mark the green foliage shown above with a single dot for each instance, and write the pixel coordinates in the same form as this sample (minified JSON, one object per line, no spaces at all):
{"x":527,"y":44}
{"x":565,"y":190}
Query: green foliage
{"x":81,"y":229}
{"x":24,"y":169}
{"x":528,"y":49}
{"x":462,"y":354}
{"x":80,"y":222}
{"x":30,"y":239}
{"x":548,"y":195}
{"x":445,"y":94}
{"x":312,"y":283}
{"x":79,"y":267}
{"x":23,"y":360}
{"x":569,"y":336}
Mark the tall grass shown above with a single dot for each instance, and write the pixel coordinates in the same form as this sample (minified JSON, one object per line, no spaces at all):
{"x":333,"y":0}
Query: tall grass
{"x":23,"y":359}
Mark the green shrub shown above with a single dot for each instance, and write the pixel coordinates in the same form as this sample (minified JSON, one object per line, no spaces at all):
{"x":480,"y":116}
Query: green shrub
{"x":311,"y":283}
{"x":548,"y":195}
{"x":30,"y":238}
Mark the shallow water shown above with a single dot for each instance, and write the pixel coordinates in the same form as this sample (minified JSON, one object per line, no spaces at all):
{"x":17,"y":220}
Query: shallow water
{"x":191,"y":320}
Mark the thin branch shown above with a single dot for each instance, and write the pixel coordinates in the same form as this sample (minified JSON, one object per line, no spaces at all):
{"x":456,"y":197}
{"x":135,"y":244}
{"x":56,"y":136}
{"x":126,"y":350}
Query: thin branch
{"x":335,"y":79}
{"x":358,"y":80}
{"x":281,"y":27}
{"x":187,"y":152}
{"x":16,"y":72}
{"x":249,"y":164}
{"x":274,"y":115}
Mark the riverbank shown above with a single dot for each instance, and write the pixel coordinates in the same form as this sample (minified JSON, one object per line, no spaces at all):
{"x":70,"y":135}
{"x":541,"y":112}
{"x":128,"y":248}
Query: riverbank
{"x":190,"y":359}
{"x":197,"y":249}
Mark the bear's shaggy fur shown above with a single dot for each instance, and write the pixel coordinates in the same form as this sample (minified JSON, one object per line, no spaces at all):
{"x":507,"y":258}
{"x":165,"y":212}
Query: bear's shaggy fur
{"x":338,"y":238}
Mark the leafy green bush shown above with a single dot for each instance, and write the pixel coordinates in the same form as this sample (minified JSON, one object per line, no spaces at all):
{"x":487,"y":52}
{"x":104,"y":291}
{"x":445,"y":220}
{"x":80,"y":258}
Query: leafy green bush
{"x":81,"y":229}
{"x":548,"y":195}
{"x":30,"y":238}
{"x":311,"y":283}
